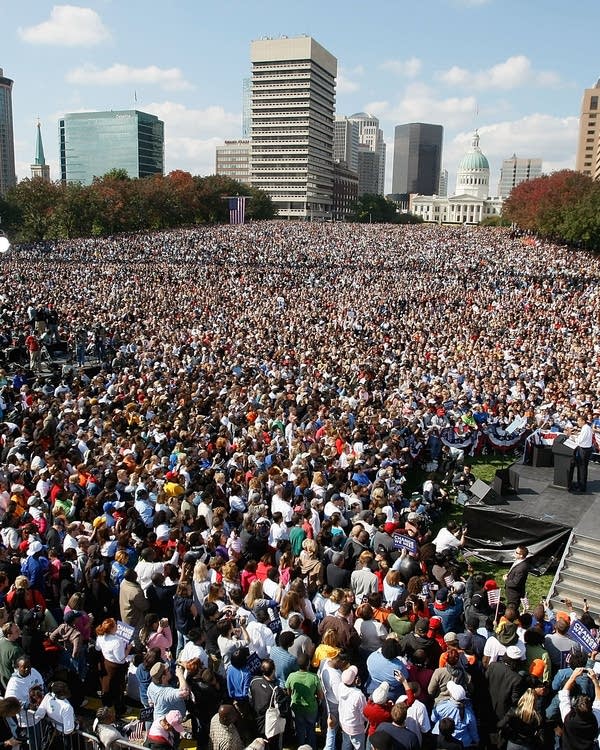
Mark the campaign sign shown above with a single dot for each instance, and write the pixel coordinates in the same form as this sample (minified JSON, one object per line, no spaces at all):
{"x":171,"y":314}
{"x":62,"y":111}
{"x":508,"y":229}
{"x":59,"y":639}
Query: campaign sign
{"x":253,"y":664}
{"x":275,"y":625}
{"x":124,"y":631}
{"x":581,"y":635}
{"x":405,"y":542}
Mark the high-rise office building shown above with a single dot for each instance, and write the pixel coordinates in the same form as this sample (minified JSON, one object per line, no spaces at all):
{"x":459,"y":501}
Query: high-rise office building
{"x":246,"y":108}
{"x":443,"y":189}
{"x":8,"y":175}
{"x":515,"y":171}
{"x":39,"y":168}
{"x":93,"y":143}
{"x":368,"y":171}
{"x":293,"y":102}
{"x":345,"y":142}
{"x":417,"y":158}
{"x":371,"y":136}
{"x":588,"y":146}
{"x":233,"y":160}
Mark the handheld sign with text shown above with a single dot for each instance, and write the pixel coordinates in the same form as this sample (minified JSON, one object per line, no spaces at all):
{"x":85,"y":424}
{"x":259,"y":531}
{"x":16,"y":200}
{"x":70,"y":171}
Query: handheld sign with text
{"x":581,"y":635}
{"x":401,"y":541}
{"x":124,"y":631}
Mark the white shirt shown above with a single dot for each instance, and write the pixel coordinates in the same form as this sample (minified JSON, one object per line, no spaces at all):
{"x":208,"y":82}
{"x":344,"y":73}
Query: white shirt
{"x":18,"y":687}
{"x":112,"y":648}
{"x":445,"y":540}
{"x":584,"y":438}
{"x":278,"y":504}
{"x":192,"y":651}
{"x":59,"y":711}
{"x":351,"y":705}
{"x":331,"y":679}
{"x":417,"y":719}
{"x":262,"y":638}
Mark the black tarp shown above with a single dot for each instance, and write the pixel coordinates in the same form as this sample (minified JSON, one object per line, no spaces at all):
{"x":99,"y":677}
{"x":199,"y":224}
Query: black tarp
{"x":494,"y":533}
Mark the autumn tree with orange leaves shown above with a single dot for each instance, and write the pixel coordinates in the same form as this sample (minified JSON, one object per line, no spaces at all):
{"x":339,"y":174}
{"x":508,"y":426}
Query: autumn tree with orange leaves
{"x":563,"y":206}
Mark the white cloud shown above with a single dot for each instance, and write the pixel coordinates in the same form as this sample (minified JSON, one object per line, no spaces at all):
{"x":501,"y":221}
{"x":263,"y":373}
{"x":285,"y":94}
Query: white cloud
{"x":406,"y":68}
{"x":68,"y":26}
{"x":344,"y":85}
{"x":167,"y":78}
{"x":515,"y":71}
{"x":192,"y":135}
{"x":420,"y":103}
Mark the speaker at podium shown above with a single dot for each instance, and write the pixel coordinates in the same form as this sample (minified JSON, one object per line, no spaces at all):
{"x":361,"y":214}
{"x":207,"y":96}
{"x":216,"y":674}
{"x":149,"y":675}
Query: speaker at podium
{"x":562,"y":451}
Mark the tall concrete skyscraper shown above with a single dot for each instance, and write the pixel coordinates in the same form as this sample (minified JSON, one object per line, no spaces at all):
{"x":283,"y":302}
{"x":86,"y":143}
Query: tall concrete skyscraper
{"x":345,"y":142}
{"x":8,"y":175}
{"x":246,"y":107}
{"x":39,"y":168}
{"x":588,"y":146}
{"x":417,"y":158}
{"x":371,"y":170}
{"x":515,"y":171}
{"x":293,"y":103}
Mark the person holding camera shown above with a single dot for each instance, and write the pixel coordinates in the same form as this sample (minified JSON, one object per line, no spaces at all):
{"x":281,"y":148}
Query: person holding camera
{"x":232,"y":636}
{"x":580,"y":717}
{"x":450,"y":537}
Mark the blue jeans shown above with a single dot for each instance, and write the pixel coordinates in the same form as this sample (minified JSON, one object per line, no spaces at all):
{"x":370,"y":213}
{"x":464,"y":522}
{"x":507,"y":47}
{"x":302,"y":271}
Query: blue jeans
{"x":353,"y":741}
{"x":305,"y":728}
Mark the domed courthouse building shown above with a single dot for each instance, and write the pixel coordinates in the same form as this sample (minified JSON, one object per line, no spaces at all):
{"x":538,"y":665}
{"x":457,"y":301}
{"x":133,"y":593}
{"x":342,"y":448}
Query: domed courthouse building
{"x":471,"y":203}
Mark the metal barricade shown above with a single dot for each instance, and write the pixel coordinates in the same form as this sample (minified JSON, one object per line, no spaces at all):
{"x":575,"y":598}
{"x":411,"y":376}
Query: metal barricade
{"x":126,"y":743}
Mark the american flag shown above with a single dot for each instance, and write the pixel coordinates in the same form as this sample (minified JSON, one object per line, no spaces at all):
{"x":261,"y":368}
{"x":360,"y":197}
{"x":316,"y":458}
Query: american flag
{"x":449,"y":580}
{"x":493,"y":597}
{"x":237,"y":209}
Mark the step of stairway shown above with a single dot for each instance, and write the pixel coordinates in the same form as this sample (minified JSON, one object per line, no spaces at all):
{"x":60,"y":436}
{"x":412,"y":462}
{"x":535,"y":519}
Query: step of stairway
{"x":585,"y":544}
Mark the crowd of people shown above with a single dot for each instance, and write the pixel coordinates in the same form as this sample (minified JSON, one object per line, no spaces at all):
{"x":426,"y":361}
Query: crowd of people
{"x":206,"y":513}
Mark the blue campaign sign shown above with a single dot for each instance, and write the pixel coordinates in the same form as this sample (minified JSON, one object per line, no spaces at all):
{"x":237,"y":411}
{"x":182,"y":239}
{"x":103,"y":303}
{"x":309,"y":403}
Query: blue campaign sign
{"x":581,"y":635}
{"x":124,"y":631}
{"x":401,"y":541}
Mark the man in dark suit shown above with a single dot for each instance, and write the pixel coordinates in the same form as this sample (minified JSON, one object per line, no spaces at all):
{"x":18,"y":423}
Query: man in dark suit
{"x":516,"y":578}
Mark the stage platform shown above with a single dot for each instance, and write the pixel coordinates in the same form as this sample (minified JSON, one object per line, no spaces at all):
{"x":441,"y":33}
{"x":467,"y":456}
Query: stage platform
{"x":538,"y":498}
{"x":538,"y":515}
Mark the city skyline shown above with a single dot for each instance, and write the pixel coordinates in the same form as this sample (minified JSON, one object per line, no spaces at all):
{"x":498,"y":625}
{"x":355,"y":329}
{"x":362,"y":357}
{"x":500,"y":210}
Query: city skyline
{"x":466,"y":65}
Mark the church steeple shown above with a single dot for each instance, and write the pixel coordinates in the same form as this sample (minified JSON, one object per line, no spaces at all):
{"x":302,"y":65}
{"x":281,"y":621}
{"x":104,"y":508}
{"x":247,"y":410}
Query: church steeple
{"x":39,"y":168}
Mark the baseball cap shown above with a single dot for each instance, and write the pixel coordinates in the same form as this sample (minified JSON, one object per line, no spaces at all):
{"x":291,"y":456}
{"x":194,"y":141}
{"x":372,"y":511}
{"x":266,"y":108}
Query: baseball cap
{"x":349,"y":675}
{"x":175,"y":718}
{"x":157,"y":670}
{"x":514,"y":652}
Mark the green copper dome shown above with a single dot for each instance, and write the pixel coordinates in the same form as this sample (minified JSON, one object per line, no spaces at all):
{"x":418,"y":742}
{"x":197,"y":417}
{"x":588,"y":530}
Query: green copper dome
{"x":474,"y":159}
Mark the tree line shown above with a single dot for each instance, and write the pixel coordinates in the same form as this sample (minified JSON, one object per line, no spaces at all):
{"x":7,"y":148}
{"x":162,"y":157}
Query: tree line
{"x":563,"y":206}
{"x":38,"y":210}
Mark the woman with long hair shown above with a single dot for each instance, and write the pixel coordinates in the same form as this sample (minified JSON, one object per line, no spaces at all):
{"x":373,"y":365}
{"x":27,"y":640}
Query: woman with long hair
{"x":231,"y":578}
{"x":114,"y":654}
{"x":216,"y":595}
{"x":327,"y":649}
{"x":255,"y":598}
{"x":522,"y":726}
{"x":156,"y":633}
{"x":200,"y":583}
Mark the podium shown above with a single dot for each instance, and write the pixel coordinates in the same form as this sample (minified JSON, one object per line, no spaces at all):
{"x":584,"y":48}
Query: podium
{"x":562,"y":460}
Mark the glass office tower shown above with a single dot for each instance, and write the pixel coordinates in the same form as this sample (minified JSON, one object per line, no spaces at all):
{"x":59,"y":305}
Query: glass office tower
{"x":93,"y":143}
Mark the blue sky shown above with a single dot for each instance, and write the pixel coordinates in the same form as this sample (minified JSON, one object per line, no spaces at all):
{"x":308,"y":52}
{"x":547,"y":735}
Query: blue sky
{"x":514,"y":69}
